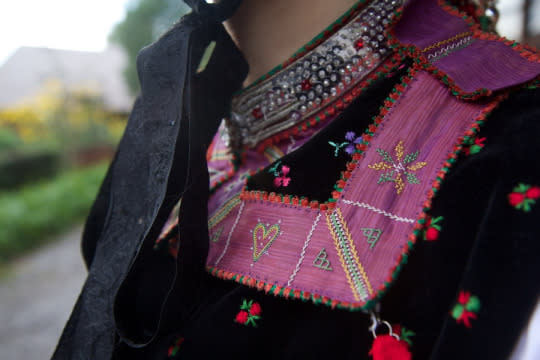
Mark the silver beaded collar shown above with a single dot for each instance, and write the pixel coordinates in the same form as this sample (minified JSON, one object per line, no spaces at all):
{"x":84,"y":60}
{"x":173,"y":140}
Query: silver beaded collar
{"x":314,"y":80}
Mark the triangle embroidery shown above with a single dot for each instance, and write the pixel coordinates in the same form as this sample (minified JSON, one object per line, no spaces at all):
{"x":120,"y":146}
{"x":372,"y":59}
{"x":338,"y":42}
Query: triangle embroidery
{"x":322,"y":262}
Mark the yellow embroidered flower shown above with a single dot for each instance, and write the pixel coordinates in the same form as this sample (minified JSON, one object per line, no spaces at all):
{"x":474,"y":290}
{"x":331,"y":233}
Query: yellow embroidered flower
{"x":395,"y":170}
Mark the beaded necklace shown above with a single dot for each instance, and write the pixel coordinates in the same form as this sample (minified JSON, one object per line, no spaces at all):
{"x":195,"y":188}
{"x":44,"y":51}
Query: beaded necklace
{"x":314,"y":80}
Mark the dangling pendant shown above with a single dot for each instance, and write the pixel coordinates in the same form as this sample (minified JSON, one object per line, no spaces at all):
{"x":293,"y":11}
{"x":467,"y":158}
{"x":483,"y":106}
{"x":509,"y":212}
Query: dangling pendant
{"x":387,"y":346}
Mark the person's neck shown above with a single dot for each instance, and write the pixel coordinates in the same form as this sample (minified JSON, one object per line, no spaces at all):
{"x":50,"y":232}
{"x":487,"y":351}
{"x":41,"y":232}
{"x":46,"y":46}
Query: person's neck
{"x":269,"y":31}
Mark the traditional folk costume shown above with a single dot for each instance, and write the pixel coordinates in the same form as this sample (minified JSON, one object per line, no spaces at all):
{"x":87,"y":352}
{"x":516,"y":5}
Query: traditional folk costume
{"x":376,"y":195}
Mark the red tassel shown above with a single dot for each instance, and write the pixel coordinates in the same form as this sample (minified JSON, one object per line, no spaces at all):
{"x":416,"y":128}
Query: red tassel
{"x":387,"y":347}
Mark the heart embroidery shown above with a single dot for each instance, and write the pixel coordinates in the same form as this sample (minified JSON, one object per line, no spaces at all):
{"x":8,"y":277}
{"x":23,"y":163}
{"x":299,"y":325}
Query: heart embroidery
{"x":266,"y":236}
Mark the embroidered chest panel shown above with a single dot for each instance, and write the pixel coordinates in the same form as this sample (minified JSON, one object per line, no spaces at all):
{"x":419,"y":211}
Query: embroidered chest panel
{"x":346,"y":253}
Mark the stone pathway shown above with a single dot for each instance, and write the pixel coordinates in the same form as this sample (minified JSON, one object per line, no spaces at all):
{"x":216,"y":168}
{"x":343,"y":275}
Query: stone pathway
{"x":36,"y":298}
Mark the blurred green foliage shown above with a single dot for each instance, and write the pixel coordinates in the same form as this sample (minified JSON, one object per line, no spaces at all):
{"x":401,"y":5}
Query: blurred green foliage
{"x":145,"y":21}
{"x":9,"y":139}
{"x":32,"y":215}
{"x":23,"y":167}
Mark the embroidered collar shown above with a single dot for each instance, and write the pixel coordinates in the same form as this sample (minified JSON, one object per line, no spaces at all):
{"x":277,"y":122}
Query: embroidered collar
{"x":315,"y":77}
{"x":345,"y":252}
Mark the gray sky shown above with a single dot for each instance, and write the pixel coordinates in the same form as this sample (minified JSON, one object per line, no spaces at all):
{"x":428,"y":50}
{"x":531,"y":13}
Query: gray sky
{"x":64,"y":24}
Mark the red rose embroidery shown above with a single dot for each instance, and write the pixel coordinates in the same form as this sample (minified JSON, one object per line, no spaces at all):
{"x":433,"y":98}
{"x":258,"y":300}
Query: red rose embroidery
{"x":516,"y":198}
{"x":523,"y":197}
{"x":242,"y":317}
{"x":533,"y":192}
{"x":432,"y":234}
{"x":433,"y":228}
{"x":250,"y":312}
{"x":255,"y":309}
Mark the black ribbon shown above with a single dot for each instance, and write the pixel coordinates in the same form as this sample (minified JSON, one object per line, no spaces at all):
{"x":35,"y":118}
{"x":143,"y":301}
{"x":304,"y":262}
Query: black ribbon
{"x":131,"y":295}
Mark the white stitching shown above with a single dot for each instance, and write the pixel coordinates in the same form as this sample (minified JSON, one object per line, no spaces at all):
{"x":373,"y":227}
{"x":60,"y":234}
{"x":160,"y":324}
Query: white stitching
{"x":230,"y":234}
{"x":303,"y":254}
{"x":382,"y":212}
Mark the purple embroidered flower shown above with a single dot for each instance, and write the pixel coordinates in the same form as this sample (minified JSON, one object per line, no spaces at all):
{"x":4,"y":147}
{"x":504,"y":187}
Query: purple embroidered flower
{"x":353,"y":140}
{"x":350,"y":135}
{"x":350,"y":144}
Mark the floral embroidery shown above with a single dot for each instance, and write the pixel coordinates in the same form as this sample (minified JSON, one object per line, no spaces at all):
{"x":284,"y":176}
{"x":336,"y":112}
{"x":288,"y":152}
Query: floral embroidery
{"x":249,"y":313}
{"x":350,"y":144}
{"x":281,"y":178}
{"x":466,"y":308}
{"x":396,"y":169}
{"x":432,"y":228}
{"x":473,"y":145}
{"x":175,"y":347}
{"x":264,"y":233}
{"x":524,"y":196}
{"x":353,"y":140}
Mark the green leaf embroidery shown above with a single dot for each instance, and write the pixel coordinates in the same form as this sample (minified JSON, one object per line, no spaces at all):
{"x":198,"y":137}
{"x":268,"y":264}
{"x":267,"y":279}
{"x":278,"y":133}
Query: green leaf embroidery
{"x":473,"y":304}
{"x":386,"y":177}
{"x":386,"y":156}
{"x":411,"y":178}
{"x":457,"y":311}
{"x":411,"y":157}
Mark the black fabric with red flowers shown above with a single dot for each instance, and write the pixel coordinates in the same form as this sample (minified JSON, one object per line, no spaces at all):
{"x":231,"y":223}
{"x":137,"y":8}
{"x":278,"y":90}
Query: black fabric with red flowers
{"x":485,"y":247}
